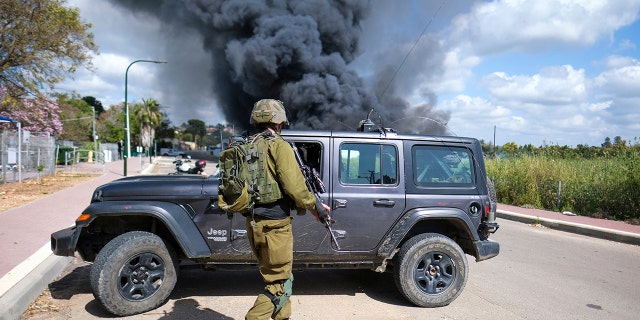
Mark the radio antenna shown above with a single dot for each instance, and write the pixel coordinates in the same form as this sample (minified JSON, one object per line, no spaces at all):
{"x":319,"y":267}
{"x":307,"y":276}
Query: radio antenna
{"x":411,"y":49}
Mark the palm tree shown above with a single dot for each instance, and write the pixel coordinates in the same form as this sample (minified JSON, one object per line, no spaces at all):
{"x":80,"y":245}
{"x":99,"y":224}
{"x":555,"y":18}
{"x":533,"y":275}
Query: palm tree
{"x":149,"y":115}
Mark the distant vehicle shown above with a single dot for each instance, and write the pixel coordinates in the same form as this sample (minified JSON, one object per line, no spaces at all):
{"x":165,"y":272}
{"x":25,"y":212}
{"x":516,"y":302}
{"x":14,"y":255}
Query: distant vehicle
{"x":213,"y":151}
{"x":169,"y":152}
{"x":183,"y":166}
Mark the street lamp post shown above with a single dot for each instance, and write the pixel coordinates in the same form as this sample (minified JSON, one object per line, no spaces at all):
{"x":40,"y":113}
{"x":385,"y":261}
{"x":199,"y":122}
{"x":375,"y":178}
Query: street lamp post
{"x":93,"y":133}
{"x":127,"y":129}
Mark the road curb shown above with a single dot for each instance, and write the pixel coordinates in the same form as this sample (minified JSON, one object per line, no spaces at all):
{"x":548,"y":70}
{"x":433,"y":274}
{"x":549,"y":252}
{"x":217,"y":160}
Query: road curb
{"x":578,"y":228}
{"x":24,"y":283}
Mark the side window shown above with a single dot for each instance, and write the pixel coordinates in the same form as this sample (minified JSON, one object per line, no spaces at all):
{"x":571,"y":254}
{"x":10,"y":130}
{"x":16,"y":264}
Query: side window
{"x":439,"y":165}
{"x":311,"y":154}
{"x":370,"y":164}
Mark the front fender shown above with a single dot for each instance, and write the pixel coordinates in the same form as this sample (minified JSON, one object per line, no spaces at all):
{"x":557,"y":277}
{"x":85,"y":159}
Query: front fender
{"x":414,"y":216}
{"x":177,"y":218}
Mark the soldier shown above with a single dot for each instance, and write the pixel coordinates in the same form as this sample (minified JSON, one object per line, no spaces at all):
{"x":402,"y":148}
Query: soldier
{"x":273,"y":221}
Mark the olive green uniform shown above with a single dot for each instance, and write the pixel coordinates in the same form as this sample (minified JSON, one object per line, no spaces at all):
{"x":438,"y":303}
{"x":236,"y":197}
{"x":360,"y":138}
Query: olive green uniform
{"x":271,"y":239}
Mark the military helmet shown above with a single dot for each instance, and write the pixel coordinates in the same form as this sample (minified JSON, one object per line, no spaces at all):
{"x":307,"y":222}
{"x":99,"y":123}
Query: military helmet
{"x":268,"y":111}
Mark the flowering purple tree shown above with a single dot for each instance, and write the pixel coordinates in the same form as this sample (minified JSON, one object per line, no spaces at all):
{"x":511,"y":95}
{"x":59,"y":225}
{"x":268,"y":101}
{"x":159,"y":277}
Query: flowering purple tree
{"x":37,"y":114}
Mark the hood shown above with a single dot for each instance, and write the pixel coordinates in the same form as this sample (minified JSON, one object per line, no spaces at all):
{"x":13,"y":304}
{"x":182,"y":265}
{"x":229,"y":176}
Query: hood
{"x":172,"y":188}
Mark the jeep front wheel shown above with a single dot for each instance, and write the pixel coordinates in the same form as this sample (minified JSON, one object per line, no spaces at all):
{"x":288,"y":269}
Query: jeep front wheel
{"x":431,"y":270}
{"x":134,"y":273}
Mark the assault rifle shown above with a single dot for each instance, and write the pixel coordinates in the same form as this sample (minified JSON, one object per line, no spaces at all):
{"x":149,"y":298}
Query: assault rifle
{"x":315,"y":185}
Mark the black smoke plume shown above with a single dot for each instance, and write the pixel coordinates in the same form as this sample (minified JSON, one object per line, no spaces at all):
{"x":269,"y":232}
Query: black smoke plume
{"x":295,"y":51}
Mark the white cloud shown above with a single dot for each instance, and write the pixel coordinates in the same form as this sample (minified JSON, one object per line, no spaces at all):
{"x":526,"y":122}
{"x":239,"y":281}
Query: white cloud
{"x":457,"y":69}
{"x":119,"y":36}
{"x":106,"y":82}
{"x":599,"y":106}
{"x":621,"y":79}
{"x":553,"y":106}
{"x":552,"y":85}
{"x":474,"y":116}
{"x":533,"y":26}
{"x":528,"y":27}
{"x":617,"y":61}
{"x":120,"y":30}
{"x":557,"y":103}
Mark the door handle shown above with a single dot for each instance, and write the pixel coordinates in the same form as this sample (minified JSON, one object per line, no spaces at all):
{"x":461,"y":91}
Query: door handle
{"x":340,"y":234}
{"x":238,"y":233}
{"x":339,"y":203}
{"x":384,"y":203}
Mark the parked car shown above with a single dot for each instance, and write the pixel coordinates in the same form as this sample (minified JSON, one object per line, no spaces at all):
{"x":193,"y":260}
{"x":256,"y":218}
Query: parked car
{"x":412,"y":205}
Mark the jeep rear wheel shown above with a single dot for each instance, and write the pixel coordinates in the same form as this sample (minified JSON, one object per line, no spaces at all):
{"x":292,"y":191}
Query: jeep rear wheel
{"x":431,"y":270}
{"x":134,"y":273}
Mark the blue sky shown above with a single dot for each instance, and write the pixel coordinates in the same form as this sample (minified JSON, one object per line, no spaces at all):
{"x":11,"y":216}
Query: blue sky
{"x":562,"y":72}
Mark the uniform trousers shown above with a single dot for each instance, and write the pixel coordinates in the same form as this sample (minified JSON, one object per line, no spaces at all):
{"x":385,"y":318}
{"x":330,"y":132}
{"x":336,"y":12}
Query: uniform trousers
{"x":272,"y":243}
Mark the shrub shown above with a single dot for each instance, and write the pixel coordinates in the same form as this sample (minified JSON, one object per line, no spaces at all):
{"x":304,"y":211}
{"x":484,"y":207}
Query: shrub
{"x":604,"y":187}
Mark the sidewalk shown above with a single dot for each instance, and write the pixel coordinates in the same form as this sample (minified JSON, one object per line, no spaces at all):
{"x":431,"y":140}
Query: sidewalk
{"x":599,"y":228}
{"x":27,"y":265}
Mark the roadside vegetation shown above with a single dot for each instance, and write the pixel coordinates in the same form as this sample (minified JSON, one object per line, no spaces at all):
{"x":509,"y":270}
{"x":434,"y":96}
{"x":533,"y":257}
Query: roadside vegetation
{"x":601,"y":182}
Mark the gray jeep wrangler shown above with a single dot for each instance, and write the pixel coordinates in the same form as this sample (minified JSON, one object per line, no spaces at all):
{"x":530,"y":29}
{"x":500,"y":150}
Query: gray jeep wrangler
{"x":409,"y":204}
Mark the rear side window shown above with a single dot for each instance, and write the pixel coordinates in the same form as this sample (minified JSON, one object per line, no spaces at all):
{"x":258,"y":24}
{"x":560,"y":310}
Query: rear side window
{"x":437,"y":166}
{"x":368,"y":164}
{"x":310,"y":154}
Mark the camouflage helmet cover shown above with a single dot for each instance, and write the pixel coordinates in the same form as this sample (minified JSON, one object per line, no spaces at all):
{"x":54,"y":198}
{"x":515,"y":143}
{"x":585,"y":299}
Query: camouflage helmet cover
{"x":268,"y":111}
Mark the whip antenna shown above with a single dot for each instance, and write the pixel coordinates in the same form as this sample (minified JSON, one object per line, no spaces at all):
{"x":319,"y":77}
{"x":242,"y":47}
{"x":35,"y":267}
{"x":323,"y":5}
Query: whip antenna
{"x":410,"y":50}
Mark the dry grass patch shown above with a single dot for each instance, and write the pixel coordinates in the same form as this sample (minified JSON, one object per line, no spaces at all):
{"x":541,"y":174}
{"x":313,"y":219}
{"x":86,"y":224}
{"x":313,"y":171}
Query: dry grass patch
{"x":16,"y":194}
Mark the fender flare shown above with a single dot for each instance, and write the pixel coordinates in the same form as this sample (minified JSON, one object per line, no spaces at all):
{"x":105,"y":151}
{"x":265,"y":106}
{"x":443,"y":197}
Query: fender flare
{"x":176,"y":218}
{"x":412,"y":217}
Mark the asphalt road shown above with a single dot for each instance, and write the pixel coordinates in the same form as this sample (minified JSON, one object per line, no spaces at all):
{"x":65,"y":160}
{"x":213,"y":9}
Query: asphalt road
{"x":539,"y":274}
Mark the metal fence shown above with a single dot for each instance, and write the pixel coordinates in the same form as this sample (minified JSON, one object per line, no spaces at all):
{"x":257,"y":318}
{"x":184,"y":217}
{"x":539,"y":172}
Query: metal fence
{"x":24,"y":159}
{"x":79,"y":160}
{"x":40,"y":153}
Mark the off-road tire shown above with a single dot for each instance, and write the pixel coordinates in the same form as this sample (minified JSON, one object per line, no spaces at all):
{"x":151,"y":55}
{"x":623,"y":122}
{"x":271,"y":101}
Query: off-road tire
{"x":431,"y":270}
{"x":134,"y":273}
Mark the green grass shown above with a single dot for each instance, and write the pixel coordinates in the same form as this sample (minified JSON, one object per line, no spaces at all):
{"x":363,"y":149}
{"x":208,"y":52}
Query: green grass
{"x":606,"y":187}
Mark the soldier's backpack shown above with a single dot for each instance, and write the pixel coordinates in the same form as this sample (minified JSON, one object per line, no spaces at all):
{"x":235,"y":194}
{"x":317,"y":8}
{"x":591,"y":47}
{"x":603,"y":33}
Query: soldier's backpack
{"x":245,"y":179}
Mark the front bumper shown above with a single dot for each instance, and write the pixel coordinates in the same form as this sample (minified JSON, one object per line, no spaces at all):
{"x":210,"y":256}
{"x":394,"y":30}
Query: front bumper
{"x":63,"y":242}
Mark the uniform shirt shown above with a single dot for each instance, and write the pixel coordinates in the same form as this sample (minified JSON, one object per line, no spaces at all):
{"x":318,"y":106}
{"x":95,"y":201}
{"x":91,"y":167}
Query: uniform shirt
{"x":284,"y":168}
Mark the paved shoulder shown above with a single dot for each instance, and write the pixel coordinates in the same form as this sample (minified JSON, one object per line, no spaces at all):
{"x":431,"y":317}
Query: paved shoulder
{"x":605,"y":229}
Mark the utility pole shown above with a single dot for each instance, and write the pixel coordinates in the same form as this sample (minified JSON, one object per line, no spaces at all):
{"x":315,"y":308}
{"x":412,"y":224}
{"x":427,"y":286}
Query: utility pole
{"x":95,"y":144}
{"x":95,"y":141}
{"x":494,"y":141}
